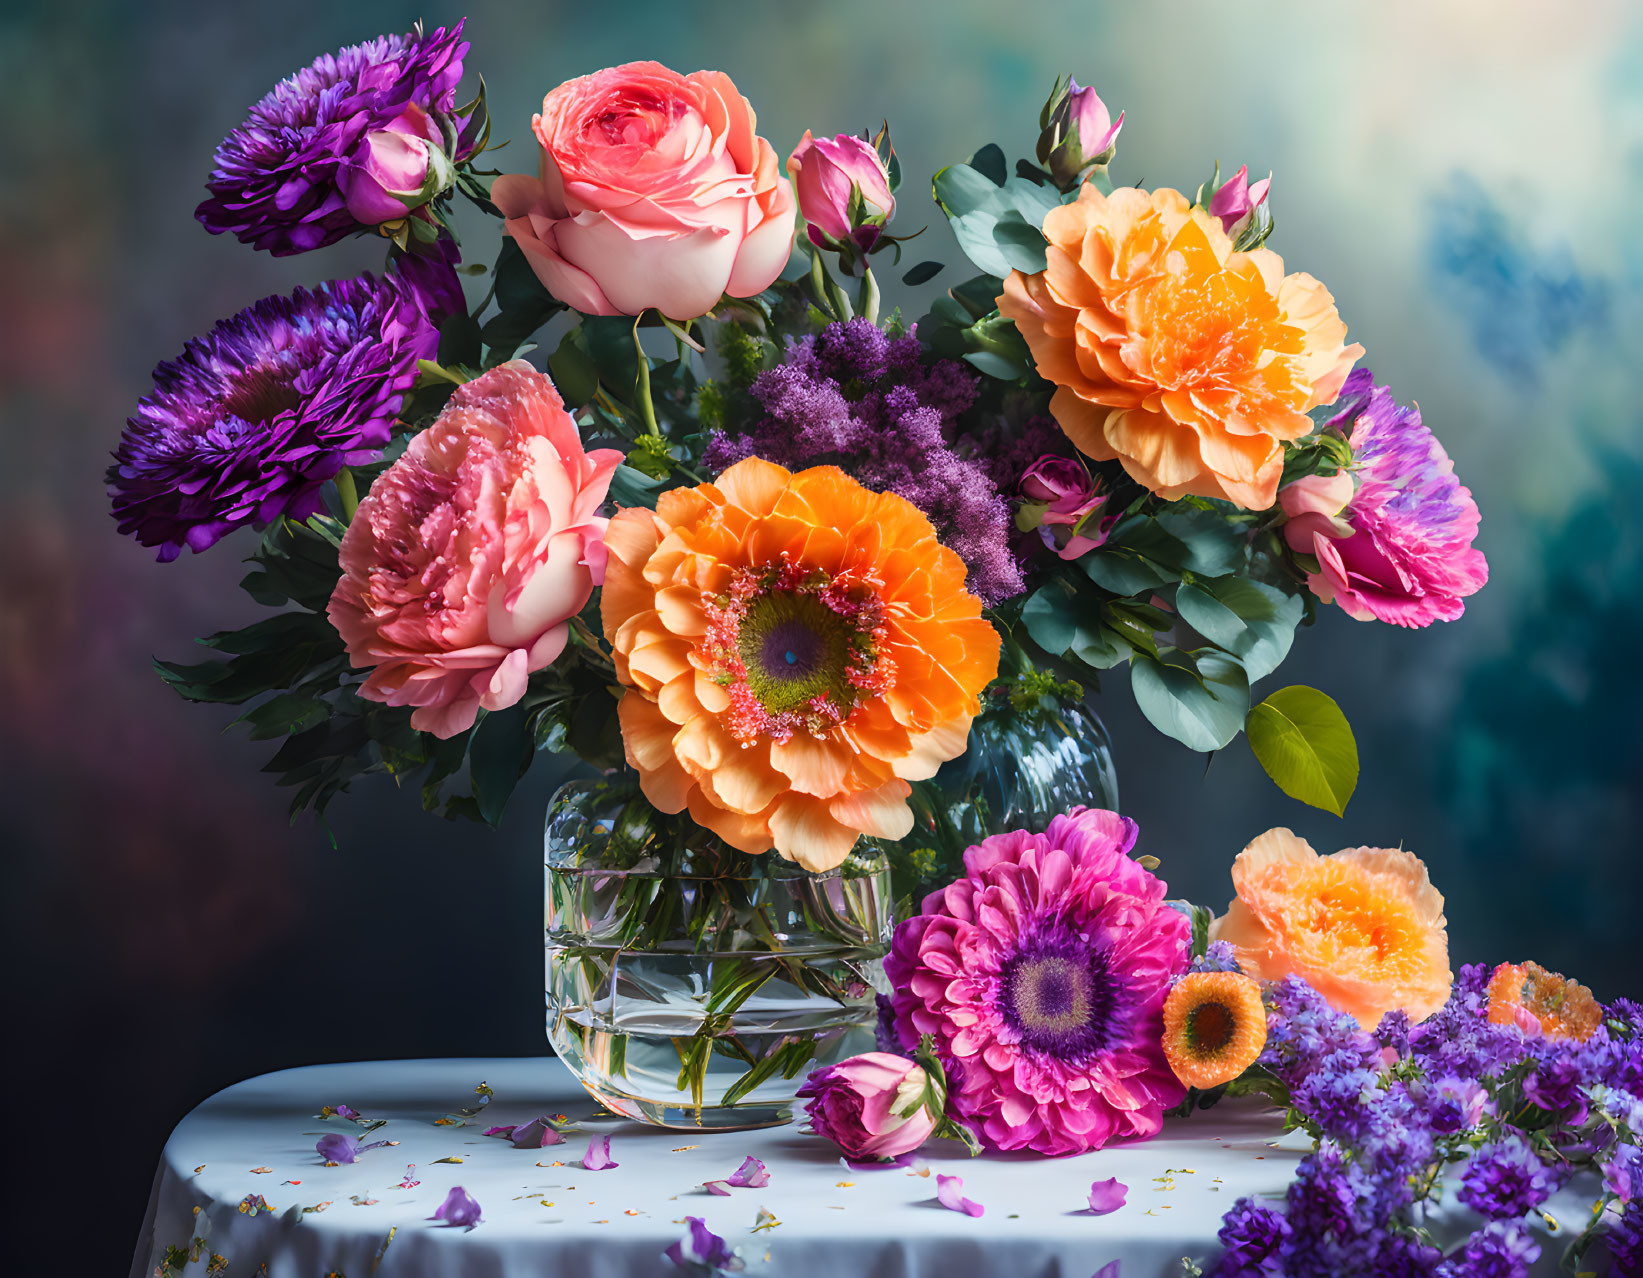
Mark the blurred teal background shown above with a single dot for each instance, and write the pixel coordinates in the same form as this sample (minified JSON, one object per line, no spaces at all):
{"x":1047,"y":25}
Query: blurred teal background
{"x":1465,"y":176}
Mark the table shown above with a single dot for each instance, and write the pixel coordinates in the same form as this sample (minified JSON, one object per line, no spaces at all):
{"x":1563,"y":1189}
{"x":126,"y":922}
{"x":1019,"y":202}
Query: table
{"x":242,"y":1169}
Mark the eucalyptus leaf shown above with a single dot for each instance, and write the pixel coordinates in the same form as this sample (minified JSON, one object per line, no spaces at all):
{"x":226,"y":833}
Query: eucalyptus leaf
{"x":1200,"y":701}
{"x":922,"y":273}
{"x":1306,"y":745}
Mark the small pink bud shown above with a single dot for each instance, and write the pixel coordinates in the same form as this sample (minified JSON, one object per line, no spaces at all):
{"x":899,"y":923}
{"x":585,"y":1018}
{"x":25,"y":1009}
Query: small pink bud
{"x":1236,"y":199}
{"x":824,"y":172}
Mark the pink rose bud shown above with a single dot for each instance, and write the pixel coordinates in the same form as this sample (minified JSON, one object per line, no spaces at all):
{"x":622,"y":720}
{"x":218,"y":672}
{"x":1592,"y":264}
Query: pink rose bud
{"x":1069,"y":501}
{"x":396,"y":169}
{"x":873,"y":1106}
{"x":843,"y":189}
{"x":1236,"y":200}
{"x":1078,"y":134}
{"x":1313,"y":507}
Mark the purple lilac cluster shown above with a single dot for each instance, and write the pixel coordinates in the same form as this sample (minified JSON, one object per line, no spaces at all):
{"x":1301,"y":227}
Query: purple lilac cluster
{"x":1390,"y":1110}
{"x":277,"y":183}
{"x":856,"y":397}
{"x":252,"y":419}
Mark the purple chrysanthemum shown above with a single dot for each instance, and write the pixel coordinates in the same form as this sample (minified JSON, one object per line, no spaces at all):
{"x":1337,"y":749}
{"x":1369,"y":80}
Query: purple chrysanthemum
{"x":252,"y":419}
{"x":1498,"y":1250}
{"x":855,"y":397}
{"x":1406,"y":555}
{"x":1505,"y":1179}
{"x":276,"y":180}
{"x":1253,"y":1238}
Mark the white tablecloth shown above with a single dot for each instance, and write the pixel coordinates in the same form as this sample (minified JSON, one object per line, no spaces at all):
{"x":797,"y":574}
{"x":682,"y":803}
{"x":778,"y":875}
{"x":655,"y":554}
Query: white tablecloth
{"x":543,"y":1214}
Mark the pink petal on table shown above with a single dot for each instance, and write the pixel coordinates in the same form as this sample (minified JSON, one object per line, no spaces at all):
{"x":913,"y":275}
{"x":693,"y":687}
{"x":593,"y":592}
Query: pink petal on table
{"x":1107,"y":1196}
{"x":719,"y":1187}
{"x":505,"y":1132}
{"x":539,"y":1133}
{"x":598,"y":1156}
{"x":1112,"y":1269}
{"x":459,"y":1209}
{"x":752,"y":1174}
{"x":949,"y":1193}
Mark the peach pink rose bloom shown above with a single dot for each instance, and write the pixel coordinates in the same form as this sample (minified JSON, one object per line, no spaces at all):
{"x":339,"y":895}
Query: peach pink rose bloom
{"x":470,"y":554}
{"x":1364,"y":927}
{"x":655,"y":191}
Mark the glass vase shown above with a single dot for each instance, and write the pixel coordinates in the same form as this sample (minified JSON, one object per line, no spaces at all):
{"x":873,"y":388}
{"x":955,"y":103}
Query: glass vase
{"x":689,"y":984}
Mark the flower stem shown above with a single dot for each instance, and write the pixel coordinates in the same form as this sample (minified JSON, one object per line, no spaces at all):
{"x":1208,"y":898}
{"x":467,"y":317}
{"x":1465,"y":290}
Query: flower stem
{"x":349,"y":494}
{"x":868,"y":302}
{"x":647,"y":408}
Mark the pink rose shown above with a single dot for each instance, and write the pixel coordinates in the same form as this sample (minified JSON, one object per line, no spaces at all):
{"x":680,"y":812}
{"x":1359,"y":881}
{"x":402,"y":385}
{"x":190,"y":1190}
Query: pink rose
{"x":1236,"y":200}
{"x":1069,"y":502}
{"x":1312,"y":507}
{"x":470,"y":554}
{"x":872,"y":1106}
{"x":824,"y":172}
{"x":396,"y":169}
{"x":654,"y":192}
{"x":1079,"y":134}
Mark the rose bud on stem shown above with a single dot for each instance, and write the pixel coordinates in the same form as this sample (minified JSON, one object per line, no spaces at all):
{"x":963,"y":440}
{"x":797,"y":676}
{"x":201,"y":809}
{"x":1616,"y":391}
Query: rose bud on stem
{"x":846,"y":191}
{"x":1077,"y":134}
{"x":1240,"y":205}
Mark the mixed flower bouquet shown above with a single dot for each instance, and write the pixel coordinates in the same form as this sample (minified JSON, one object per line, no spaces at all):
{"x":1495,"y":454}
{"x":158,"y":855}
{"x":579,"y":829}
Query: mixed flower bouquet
{"x":783,"y":555}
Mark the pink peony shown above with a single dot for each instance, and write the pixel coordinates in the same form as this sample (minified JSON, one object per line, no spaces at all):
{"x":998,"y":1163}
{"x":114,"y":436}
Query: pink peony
{"x":470,"y":554}
{"x":1398,"y":548}
{"x":654,"y":192}
{"x":1042,"y":975}
{"x":1070,"y":499}
{"x":871,"y":1106}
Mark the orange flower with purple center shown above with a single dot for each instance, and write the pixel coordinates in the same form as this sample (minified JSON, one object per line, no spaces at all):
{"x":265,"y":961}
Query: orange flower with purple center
{"x":1189,"y":363}
{"x":1214,"y":1027}
{"x":1364,"y":927}
{"x":796,"y":649}
{"x":1539,"y":1001}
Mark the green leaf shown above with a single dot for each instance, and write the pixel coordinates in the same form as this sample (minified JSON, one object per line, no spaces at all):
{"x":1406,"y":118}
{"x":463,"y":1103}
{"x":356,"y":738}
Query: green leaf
{"x":574,"y":373}
{"x":990,"y":163}
{"x":517,"y":286}
{"x":976,"y":206}
{"x":498,"y":756}
{"x":1250,"y":619}
{"x":1306,"y":745}
{"x":1021,"y":243}
{"x":631,"y":487}
{"x":283,"y":715}
{"x":922,"y":273}
{"x":1201,"y":701}
{"x":1214,"y":545}
{"x":1124,"y":572}
{"x":608,"y":340}
{"x":459,"y":341}
{"x":1061,"y":622}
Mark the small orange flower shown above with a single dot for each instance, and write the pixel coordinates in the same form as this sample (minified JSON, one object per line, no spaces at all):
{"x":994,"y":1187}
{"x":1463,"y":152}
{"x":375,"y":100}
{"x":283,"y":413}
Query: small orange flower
{"x":1542,"y":1002}
{"x":1364,"y":927}
{"x":796,"y":649}
{"x":1188,"y":362}
{"x":1214,"y":1027}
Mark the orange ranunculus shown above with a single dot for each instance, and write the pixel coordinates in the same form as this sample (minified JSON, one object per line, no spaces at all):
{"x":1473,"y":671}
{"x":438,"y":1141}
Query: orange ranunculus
{"x":1188,"y":362}
{"x":1540,"y":1001}
{"x":1364,"y":927}
{"x":796,"y":649}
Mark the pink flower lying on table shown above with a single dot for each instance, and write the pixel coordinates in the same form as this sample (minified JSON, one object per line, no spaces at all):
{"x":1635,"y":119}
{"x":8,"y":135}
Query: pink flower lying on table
{"x":872,"y":1106}
{"x":1107,"y":1196}
{"x":598,"y":1156}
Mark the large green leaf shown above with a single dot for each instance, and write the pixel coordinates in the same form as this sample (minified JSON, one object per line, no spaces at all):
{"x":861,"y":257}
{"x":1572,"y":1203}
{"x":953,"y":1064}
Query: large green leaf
{"x":1306,"y":745}
{"x":1199,"y":700}
{"x":498,"y":756}
{"x":996,"y":222}
{"x":1250,"y":619}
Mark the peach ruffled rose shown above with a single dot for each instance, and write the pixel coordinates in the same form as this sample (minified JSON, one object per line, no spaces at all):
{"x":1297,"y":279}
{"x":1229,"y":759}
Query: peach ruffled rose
{"x":655,"y":191}
{"x":795,"y":648}
{"x":467,"y":559}
{"x":1364,"y":927}
{"x":1188,"y":362}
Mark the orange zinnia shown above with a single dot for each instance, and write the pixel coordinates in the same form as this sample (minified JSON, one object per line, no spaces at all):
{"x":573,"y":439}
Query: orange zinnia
{"x":796,"y":649}
{"x":1214,"y":1027}
{"x":1364,"y":927}
{"x":1188,"y":362}
{"x":1541,"y":1001}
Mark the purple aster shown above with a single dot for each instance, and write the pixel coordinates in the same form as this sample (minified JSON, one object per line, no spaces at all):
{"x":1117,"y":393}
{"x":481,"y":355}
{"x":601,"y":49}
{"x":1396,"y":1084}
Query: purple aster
{"x":1408,"y":558}
{"x":1504,"y":1179}
{"x":1498,"y":1250}
{"x":1393,"y":1031}
{"x":1324,"y":1196}
{"x":1218,"y":956}
{"x":1253,"y":1238}
{"x":1557,"y":1082}
{"x":278,"y":180}
{"x":253,"y":418}
{"x":1337,"y":1094}
{"x":1455,"y":1104}
{"x":854,"y":397}
{"x":1303,"y":1029}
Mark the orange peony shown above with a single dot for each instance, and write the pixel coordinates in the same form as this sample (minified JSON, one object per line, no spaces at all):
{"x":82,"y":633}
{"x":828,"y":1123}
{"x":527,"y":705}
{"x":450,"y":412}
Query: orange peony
{"x":1189,"y":363}
{"x":796,"y":649}
{"x":1539,"y":1001}
{"x":1364,"y":927}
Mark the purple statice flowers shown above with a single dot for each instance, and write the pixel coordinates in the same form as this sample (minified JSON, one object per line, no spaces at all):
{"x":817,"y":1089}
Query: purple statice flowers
{"x":278,"y":178}
{"x":1506,"y":1178}
{"x":855,"y":397}
{"x":252,"y":419}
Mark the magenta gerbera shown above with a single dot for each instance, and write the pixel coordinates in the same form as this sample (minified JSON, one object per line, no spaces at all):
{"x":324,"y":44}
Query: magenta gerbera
{"x":1042,"y":975}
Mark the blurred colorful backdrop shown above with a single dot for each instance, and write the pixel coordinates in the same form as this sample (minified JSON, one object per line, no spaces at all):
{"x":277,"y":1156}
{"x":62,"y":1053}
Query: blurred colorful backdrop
{"x":1466,"y":177}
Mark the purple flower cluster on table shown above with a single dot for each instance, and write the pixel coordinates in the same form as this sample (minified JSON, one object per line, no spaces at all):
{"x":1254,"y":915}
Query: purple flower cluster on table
{"x":1507,"y":1114}
{"x":308,"y":165}
{"x":855,"y":397}
{"x":249,"y":423}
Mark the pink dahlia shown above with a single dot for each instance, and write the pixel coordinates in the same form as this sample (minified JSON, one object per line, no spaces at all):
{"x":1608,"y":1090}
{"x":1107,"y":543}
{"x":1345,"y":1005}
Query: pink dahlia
{"x":1042,"y":975}
{"x":469,"y":556}
{"x":1399,"y":548}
